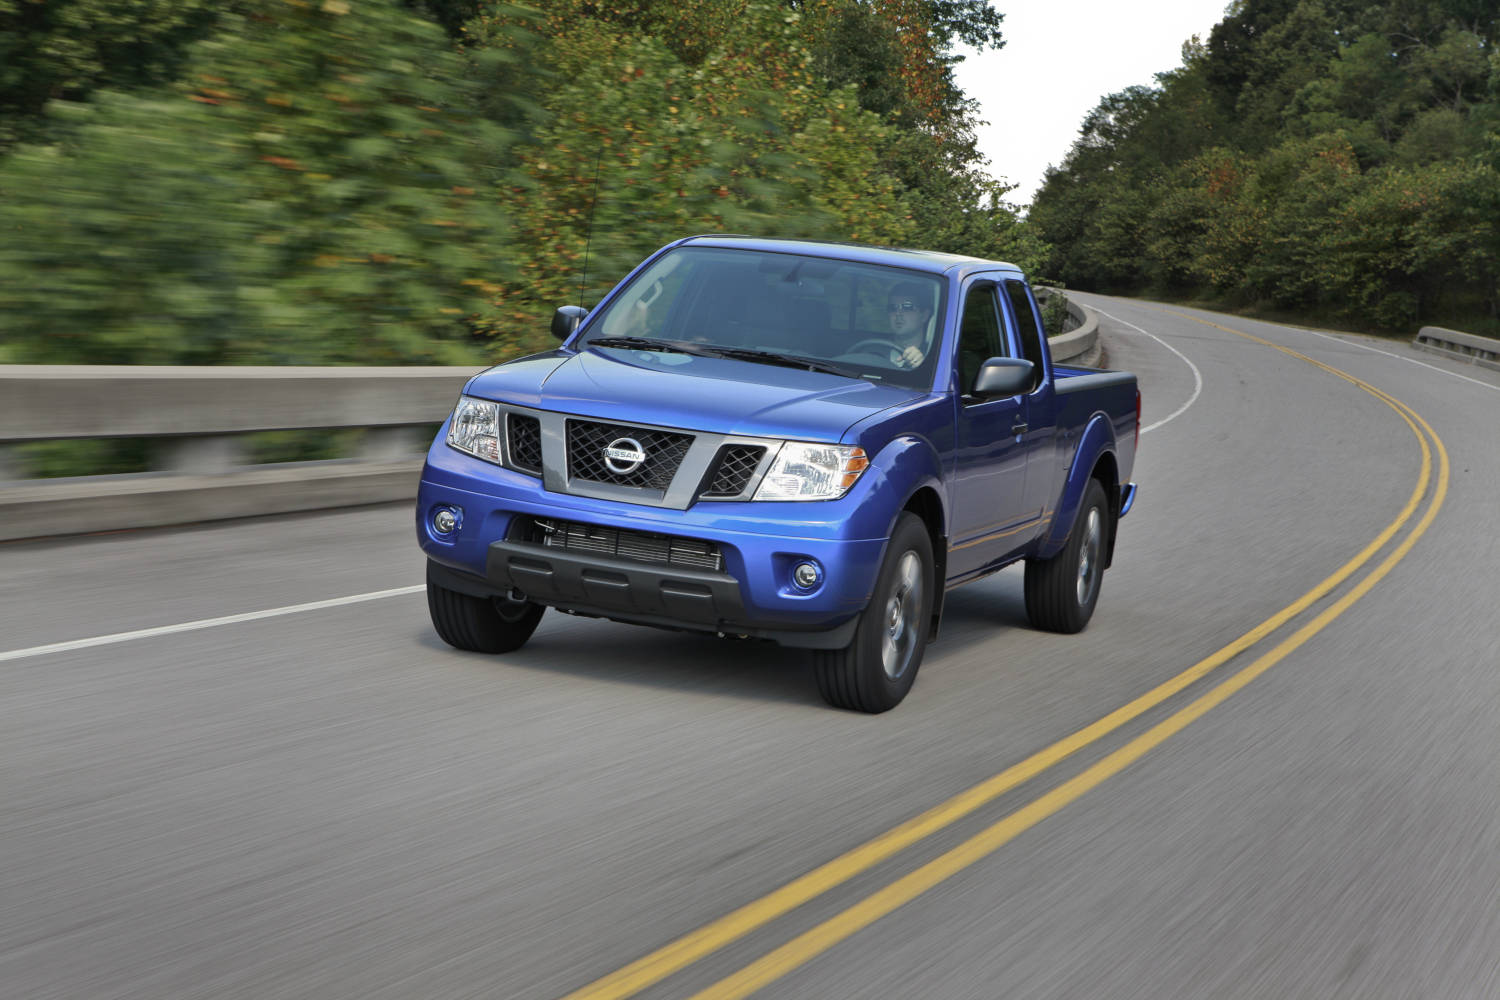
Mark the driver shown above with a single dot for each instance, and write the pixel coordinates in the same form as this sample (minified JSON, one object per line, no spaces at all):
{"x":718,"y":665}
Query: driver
{"x":909,"y":312}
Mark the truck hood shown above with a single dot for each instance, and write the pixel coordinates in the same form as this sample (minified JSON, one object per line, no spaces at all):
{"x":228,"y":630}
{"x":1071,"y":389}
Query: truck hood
{"x":717,"y":395}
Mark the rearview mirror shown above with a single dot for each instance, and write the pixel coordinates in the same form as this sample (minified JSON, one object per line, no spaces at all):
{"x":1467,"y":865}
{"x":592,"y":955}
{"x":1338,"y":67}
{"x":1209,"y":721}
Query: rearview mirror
{"x":1003,"y":377}
{"x":566,"y":320}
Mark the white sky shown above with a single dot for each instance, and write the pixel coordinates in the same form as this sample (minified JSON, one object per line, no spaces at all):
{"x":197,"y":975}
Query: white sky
{"x":1059,"y":59}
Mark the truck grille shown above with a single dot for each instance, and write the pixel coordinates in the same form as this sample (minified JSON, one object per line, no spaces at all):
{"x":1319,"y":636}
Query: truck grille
{"x":525,"y":442}
{"x":736,"y":464}
{"x":661,"y":550}
{"x":586,"y":459}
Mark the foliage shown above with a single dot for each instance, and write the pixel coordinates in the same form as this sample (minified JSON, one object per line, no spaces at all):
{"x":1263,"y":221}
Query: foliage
{"x":740,"y":140}
{"x":315,"y":189}
{"x":827,"y":119}
{"x":898,"y":55}
{"x":66,"y":49}
{"x":387,"y":181}
{"x":1313,"y":155}
{"x":1054,"y":313}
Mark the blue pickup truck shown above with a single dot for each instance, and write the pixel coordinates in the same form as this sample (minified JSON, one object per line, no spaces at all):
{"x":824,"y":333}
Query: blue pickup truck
{"x":808,"y":443}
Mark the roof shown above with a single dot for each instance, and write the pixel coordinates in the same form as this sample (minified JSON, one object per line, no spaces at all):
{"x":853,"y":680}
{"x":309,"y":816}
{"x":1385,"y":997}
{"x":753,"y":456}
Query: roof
{"x":917,"y":260}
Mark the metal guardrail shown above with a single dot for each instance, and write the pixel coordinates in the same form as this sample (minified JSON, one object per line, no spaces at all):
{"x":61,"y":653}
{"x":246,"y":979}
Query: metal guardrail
{"x":201,"y":415}
{"x":1463,"y":346}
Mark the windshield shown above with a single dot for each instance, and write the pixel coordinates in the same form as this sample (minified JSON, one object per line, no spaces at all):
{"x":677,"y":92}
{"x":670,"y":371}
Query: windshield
{"x":863,"y":320}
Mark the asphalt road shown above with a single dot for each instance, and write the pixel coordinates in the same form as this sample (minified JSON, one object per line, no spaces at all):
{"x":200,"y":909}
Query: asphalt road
{"x":330,"y":803}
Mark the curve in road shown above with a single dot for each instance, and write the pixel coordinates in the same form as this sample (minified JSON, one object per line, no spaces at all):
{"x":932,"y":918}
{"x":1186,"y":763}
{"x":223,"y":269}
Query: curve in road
{"x":675,"y":956}
{"x":320,"y":799}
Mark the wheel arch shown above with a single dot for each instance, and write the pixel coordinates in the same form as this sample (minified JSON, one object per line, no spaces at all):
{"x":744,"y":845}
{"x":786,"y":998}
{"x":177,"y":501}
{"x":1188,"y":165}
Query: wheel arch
{"x":1095,"y":458}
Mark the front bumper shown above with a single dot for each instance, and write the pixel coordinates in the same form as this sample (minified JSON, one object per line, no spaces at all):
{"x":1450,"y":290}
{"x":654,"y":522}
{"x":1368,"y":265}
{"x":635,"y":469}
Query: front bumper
{"x":752,"y":594}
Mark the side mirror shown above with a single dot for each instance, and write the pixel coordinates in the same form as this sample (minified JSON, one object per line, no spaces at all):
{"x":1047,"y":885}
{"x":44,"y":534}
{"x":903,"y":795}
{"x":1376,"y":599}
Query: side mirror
{"x":566,"y":320}
{"x":1003,"y":377}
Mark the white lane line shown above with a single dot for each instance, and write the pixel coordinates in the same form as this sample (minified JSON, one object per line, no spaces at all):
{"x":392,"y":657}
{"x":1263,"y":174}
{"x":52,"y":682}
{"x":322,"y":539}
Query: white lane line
{"x":1351,"y":343}
{"x":1197,"y":375}
{"x":249,"y":616}
{"x":1398,"y":357}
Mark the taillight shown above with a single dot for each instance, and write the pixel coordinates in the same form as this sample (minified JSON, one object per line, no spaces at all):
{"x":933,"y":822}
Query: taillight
{"x":1137,"y":419}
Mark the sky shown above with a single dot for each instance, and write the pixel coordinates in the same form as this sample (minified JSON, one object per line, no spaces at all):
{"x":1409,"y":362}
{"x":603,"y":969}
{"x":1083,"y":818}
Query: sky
{"x":1059,"y":59}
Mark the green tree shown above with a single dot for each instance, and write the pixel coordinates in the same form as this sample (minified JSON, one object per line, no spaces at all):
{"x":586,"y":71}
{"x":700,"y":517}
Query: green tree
{"x":66,"y":49}
{"x":317,"y":189}
{"x":1322,"y":155}
{"x":740,"y":139}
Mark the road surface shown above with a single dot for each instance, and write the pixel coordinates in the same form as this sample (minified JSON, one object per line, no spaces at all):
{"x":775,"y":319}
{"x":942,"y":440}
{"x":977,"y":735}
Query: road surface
{"x":1268,"y":768}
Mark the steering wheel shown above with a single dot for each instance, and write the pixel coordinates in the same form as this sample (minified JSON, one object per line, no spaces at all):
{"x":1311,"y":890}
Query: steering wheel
{"x":887,"y":344}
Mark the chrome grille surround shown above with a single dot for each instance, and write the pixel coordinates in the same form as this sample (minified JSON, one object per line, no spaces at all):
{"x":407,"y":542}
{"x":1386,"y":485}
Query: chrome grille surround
{"x":682,"y":467}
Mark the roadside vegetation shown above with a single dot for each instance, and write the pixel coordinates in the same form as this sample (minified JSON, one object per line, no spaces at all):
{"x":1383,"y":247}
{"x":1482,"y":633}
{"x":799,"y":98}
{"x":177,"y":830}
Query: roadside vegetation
{"x":1324,"y":159}
{"x":423,"y":181}
{"x":377,"y":182}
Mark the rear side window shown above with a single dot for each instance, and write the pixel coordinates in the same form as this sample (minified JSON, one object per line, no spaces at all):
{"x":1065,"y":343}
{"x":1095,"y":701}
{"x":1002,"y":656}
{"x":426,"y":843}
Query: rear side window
{"x":1027,"y":326}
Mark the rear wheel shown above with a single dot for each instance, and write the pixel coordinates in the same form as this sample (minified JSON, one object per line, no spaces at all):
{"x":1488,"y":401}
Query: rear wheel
{"x":1061,"y":592}
{"x":876,"y":670}
{"x":481,"y":624}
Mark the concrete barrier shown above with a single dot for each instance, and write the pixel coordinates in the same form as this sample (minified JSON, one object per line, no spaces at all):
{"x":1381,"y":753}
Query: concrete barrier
{"x":1468,"y":347}
{"x":42,"y":402}
{"x":1079,"y":345}
{"x":201,"y":415}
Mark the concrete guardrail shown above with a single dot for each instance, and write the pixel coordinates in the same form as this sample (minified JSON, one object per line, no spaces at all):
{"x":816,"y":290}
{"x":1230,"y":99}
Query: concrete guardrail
{"x":1078,"y":345}
{"x":1463,"y":346}
{"x":200,"y":416}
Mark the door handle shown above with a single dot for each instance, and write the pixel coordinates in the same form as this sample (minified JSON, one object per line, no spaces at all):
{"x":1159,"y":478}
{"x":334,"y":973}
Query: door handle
{"x":1019,"y":429}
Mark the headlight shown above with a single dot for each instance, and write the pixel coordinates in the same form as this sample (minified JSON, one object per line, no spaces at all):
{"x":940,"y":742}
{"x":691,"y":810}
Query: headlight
{"x":475,"y":428}
{"x":812,"y":472}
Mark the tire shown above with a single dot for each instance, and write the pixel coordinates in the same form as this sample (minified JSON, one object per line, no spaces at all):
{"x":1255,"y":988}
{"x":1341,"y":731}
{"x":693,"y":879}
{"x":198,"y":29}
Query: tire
{"x":1061,"y":592}
{"x":481,"y":624}
{"x":876,"y":670}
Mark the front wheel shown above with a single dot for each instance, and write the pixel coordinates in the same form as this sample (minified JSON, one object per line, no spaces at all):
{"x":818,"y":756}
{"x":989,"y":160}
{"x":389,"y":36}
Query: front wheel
{"x":876,"y":670}
{"x":1061,"y":592}
{"x":480,"y":624}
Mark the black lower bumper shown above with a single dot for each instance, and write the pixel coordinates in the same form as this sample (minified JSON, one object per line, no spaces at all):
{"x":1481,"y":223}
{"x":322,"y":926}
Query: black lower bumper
{"x":630,"y":591}
{"x":690,"y":596}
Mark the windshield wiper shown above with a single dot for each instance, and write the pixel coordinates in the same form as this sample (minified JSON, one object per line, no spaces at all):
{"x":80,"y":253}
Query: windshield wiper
{"x":649,"y":344}
{"x":786,"y":360}
{"x":732,"y":353}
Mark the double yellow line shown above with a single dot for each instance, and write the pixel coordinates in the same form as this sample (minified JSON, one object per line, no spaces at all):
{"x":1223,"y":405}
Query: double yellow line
{"x":684,"y":951}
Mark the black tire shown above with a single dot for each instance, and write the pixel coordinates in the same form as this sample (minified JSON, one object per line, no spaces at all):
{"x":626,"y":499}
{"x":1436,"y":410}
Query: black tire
{"x":1061,"y":592}
{"x":481,"y":624}
{"x":857,"y":676}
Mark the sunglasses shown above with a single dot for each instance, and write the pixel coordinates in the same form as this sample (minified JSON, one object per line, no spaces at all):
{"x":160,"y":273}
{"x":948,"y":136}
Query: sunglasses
{"x":905,"y":306}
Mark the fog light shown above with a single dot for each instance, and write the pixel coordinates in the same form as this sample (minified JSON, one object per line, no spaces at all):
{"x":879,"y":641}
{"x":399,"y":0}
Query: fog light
{"x":445,"y":520}
{"x":807,"y":575}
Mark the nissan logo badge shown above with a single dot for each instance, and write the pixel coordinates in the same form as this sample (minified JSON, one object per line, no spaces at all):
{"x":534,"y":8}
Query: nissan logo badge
{"x":624,"y":455}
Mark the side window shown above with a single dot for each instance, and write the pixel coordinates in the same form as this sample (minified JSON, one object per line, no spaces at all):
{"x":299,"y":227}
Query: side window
{"x":978,"y":335}
{"x":1028,"y":327}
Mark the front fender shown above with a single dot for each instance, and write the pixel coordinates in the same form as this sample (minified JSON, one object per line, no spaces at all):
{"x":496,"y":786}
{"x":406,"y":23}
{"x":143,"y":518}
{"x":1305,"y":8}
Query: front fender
{"x":904,"y":466}
{"x":1098,"y":439}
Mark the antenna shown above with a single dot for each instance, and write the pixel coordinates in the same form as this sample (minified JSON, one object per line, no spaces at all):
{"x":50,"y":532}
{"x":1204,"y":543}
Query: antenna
{"x":589,"y":233}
